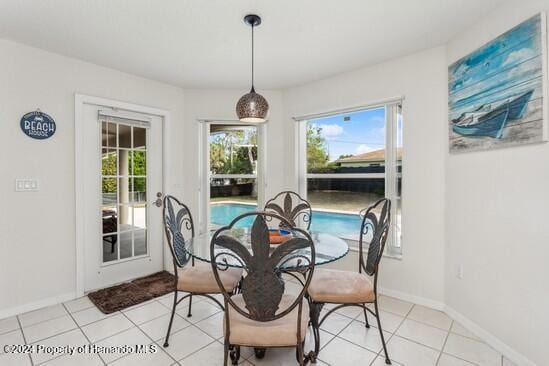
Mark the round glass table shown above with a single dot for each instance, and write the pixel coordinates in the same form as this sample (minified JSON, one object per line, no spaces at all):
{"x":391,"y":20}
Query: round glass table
{"x":328,"y":248}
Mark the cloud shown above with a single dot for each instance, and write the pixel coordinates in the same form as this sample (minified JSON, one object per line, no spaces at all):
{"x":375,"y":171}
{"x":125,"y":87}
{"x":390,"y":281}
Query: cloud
{"x":520,"y":55}
{"x":330,"y":131}
{"x":361,"y":149}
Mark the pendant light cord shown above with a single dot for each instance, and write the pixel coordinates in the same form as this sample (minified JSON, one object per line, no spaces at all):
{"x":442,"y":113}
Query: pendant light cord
{"x":253,"y":58}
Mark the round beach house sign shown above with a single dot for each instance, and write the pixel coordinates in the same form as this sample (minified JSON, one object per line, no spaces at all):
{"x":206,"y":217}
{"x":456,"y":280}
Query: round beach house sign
{"x":38,"y":125}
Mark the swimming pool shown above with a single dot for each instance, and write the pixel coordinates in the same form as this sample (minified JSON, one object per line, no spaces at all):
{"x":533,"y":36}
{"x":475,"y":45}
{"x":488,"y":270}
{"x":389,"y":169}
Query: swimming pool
{"x":334,"y":223}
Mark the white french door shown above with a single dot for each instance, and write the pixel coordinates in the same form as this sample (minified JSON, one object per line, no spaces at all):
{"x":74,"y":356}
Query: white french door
{"x":122,"y":176}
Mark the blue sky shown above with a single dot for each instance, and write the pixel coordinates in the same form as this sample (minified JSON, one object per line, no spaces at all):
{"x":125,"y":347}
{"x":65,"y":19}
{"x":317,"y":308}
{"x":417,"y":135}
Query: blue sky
{"x":363,"y":133}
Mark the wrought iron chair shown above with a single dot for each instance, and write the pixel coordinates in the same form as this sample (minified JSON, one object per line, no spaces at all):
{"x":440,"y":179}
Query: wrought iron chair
{"x":263,"y":315}
{"x":354,"y":288}
{"x":197,"y":279}
{"x":283,"y":205}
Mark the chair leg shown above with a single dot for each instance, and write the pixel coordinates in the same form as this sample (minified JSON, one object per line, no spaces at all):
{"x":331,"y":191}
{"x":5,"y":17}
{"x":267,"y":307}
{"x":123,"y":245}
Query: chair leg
{"x":315,"y":309}
{"x":166,"y":344}
{"x":189,"y":314}
{"x":365,"y":315}
{"x":226,"y":355}
{"x":235,"y":355}
{"x":387,"y":360}
{"x":299,"y":354}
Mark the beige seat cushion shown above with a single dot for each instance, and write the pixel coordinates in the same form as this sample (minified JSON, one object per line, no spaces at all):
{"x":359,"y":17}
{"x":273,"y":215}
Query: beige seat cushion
{"x":341,"y":287}
{"x":200,"y":278}
{"x":277,"y":333}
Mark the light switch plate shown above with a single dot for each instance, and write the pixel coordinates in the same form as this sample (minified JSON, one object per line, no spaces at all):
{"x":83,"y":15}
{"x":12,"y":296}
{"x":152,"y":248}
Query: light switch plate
{"x":27,"y":185}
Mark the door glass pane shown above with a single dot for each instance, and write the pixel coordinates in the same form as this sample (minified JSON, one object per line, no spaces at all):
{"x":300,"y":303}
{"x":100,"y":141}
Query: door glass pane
{"x":139,"y":166}
{"x":125,"y":218}
{"x":125,"y":245}
{"x":110,"y":219}
{"x":139,"y":138}
{"x":124,"y":162}
{"x":124,"y":190}
{"x":124,"y":136}
{"x":108,"y":162}
{"x":140,"y":242}
{"x":108,"y":135}
{"x":139,"y":190}
{"x":110,"y":248}
{"x":109,"y":190}
{"x":140,"y":216}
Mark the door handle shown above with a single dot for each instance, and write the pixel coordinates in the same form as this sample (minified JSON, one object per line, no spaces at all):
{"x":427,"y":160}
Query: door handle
{"x":158,"y":202}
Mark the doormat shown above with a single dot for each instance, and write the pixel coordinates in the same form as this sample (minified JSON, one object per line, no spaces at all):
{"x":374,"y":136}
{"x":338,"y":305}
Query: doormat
{"x":120,"y":297}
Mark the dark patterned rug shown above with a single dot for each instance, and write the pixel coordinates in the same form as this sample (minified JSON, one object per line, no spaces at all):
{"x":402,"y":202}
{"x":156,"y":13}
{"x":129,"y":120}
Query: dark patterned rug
{"x":119,"y":297}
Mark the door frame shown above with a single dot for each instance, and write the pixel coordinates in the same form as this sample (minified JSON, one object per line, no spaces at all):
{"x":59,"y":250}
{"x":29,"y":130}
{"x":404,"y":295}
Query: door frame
{"x":79,"y":101}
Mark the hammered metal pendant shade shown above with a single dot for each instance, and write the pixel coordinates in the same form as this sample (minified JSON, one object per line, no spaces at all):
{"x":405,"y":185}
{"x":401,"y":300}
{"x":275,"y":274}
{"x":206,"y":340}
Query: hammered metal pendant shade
{"x":252,"y":108}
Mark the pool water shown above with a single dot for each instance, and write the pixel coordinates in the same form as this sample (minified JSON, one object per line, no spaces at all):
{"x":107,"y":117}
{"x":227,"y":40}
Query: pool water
{"x":339,"y":224}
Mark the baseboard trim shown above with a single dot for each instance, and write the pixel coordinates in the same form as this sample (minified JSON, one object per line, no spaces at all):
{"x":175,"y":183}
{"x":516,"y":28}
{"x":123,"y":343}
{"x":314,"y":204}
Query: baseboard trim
{"x":5,"y":313}
{"x":500,"y":346}
{"x":506,"y":350}
{"x":419,"y":300}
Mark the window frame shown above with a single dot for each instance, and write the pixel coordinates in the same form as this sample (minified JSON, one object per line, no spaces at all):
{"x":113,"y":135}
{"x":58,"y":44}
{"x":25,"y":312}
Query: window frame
{"x":205,"y":175}
{"x":393,"y":110}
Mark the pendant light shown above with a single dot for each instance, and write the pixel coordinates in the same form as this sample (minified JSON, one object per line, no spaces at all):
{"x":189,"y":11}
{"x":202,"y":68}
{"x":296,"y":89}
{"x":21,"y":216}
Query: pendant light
{"x":252,"y":107}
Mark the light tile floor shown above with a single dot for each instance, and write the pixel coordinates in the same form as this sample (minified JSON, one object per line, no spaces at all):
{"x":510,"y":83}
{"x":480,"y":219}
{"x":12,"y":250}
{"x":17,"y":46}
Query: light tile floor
{"x":416,"y":336}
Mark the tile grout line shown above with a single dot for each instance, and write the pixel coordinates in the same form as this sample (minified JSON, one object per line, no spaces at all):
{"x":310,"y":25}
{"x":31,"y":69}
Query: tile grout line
{"x":85,"y":336}
{"x":337,"y":336}
{"x":23,"y":334}
{"x":444,"y":344}
{"x":146,"y":335}
{"x":381,"y":353}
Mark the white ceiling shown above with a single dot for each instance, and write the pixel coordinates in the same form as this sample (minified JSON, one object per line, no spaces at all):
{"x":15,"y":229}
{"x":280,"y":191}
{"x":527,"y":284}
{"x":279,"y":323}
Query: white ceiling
{"x":205,"y":44}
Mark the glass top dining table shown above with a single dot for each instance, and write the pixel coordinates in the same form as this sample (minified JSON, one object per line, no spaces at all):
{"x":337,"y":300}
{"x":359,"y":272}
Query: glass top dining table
{"x":328,"y":248}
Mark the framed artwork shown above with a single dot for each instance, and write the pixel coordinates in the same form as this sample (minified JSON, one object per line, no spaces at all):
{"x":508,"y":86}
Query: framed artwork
{"x":497,"y":93}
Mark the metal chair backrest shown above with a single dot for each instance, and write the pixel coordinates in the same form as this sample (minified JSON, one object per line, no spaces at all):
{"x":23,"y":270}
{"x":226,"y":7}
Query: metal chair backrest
{"x":263,"y":286}
{"x":178,"y":225}
{"x":292,"y":207}
{"x":376,"y":222}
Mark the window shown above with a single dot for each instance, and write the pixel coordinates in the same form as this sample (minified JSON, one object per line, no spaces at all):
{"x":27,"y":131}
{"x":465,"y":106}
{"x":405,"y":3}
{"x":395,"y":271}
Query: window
{"x":233,"y":163}
{"x":349,"y":161}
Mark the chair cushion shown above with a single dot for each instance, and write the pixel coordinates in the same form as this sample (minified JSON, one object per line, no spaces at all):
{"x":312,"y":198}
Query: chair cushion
{"x":281,"y":332}
{"x":341,"y":287}
{"x":200,"y":278}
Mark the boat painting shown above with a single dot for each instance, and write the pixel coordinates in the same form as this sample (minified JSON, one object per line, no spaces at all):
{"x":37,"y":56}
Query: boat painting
{"x":496,"y":93}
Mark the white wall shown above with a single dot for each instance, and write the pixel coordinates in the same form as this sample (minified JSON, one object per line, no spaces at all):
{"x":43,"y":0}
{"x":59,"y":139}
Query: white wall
{"x":421,"y":79}
{"x":496,"y":222}
{"x":37,"y":229}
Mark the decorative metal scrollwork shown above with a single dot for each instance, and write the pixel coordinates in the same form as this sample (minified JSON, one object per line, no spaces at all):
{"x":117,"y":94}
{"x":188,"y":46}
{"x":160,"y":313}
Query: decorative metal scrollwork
{"x":302,"y":210}
{"x":173,"y":225}
{"x":262,"y":287}
{"x":375,"y":223}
